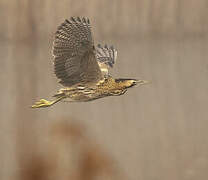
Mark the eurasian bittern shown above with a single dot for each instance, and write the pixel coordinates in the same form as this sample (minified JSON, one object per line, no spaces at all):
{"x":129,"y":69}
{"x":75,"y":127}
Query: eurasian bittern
{"x":83,"y":68}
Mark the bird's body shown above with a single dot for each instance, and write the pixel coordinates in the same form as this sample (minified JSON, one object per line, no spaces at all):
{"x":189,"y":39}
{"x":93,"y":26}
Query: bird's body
{"x":83,"y":68}
{"x":107,"y":87}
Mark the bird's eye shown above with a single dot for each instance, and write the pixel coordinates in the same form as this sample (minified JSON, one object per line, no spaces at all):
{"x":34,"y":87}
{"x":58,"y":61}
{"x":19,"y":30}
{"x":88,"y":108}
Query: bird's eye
{"x":134,"y":82}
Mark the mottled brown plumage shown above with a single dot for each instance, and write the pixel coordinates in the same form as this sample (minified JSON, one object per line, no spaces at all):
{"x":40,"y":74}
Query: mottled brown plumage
{"x":83,"y":68}
{"x":73,"y":50}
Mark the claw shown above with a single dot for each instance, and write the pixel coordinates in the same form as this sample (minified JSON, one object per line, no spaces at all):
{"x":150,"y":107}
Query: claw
{"x":42,"y":103}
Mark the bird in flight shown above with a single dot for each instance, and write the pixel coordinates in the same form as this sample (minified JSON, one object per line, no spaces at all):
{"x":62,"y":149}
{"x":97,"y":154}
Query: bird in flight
{"x":82,"y":67}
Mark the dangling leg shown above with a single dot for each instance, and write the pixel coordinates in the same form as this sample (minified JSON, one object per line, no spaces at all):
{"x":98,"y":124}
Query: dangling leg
{"x":44,"y":103}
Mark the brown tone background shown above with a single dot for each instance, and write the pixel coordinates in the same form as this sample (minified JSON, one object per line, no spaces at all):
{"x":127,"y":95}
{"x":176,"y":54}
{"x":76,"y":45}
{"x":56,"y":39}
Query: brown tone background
{"x":155,"y":132}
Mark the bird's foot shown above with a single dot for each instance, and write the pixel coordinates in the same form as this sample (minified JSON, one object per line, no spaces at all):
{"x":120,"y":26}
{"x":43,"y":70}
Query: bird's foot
{"x":42,"y":103}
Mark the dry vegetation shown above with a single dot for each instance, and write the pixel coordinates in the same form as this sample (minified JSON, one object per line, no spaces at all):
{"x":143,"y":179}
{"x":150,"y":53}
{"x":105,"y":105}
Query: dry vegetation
{"x":70,"y":154}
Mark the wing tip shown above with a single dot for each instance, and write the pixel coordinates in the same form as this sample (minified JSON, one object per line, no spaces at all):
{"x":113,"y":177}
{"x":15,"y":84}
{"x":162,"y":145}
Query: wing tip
{"x":77,"y":19}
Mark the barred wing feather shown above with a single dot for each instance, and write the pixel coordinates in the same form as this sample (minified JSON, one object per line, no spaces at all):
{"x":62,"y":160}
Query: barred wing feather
{"x":73,"y":50}
{"x":106,"y":57}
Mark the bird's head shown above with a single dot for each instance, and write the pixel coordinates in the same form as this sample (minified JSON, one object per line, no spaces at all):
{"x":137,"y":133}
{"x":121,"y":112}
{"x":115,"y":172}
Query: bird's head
{"x":127,"y":83}
{"x":124,"y":84}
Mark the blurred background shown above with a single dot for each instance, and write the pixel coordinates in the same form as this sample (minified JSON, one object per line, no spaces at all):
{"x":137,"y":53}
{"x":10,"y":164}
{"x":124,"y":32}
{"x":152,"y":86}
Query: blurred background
{"x":154,"y":132}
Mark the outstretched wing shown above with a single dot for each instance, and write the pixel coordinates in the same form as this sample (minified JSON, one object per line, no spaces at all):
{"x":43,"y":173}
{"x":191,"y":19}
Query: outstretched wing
{"x":106,"y":57}
{"x":74,"y":54}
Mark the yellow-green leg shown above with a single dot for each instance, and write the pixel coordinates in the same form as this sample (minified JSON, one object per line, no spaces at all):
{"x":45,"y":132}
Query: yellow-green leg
{"x":44,"y":103}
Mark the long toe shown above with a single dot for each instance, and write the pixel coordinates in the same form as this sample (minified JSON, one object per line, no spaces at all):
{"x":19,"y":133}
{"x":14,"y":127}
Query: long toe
{"x":42,"y":103}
